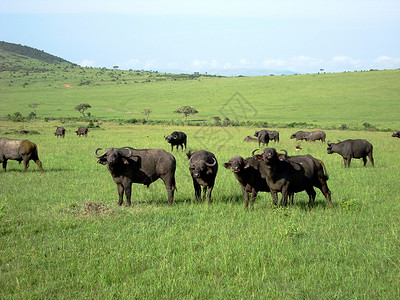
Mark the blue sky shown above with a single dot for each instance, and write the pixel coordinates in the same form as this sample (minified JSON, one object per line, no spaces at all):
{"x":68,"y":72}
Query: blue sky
{"x":300,"y":36}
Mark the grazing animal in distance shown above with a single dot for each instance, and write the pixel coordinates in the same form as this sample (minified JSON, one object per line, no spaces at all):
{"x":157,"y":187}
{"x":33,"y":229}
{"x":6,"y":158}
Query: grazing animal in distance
{"x":263,"y":137}
{"x":396,"y":134}
{"x":250,"y":139}
{"x":293,"y":174}
{"x":82,"y":131}
{"x":316,"y":135}
{"x":60,"y":132}
{"x":299,"y":135}
{"x":177,"y":138}
{"x":246,"y":172}
{"x":348,"y":149}
{"x":273,"y":135}
{"x":19,"y":150}
{"x":203,"y":167}
{"x":127,"y":165}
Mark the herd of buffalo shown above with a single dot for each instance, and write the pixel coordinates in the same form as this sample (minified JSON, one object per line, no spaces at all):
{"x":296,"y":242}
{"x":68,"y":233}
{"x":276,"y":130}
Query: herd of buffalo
{"x":268,"y":171}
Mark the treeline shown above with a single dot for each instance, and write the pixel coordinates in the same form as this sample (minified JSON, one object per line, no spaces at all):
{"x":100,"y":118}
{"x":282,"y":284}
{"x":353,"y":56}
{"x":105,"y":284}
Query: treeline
{"x":32,"y":53}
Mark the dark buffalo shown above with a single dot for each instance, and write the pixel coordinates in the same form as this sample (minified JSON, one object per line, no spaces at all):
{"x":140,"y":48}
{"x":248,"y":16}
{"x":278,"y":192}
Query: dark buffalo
{"x":396,"y":134}
{"x":349,"y":149}
{"x":177,"y":138}
{"x":82,"y":131}
{"x":246,"y":172}
{"x":299,"y":135}
{"x":263,"y":137}
{"x":128,"y":165}
{"x":60,"y":132}
{"x":203,"y":167}
{"x":289,"y":175}
{"x":273,"y":135}
{"x":316,"y":135}
{"x":19,"y":150}
{"x":250,"y":139}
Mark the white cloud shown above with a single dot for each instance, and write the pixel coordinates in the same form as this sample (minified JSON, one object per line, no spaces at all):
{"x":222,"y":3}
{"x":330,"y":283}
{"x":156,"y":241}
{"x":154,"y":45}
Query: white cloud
{"x":132,"y":63}
{"x":343,"y":59}
{"x":386,"y":62}
{"x":87,"y":63}
{"x":150,"y":64}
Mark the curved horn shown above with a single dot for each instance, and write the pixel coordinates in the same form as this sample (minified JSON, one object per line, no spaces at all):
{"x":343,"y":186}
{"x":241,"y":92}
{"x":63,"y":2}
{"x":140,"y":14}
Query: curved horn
{"x":252,"y":153}
{"x":213,"y":164}
{"x":130,"y":152}
{"x":97,"y":155}
{"x":285,"y":152}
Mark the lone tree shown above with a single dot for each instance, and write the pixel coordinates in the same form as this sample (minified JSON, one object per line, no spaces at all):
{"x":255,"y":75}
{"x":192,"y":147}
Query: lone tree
{"x":147,"y":112}
{"x":82,"y":107}
{"x":186,"y":110}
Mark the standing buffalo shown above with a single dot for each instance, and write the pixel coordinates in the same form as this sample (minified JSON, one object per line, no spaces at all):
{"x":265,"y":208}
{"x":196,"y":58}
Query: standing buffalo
{"x":203,"y":167}
{"x":300,"y":135}
{"x":263,"y":137}
{"x":60,"y":131}
{"x":396,"y":134}
{"x":349,"y":149}
{"x":246,"y":172}
{"x":128,"y":165}
{"x":316,"y":135}
{"x":82,"y":131}
{"x":273,"y":135}
{"x":289,"y":175}
{"x":19,"y":150}
{"x":250,"y":139}
{"x":177,"y":138}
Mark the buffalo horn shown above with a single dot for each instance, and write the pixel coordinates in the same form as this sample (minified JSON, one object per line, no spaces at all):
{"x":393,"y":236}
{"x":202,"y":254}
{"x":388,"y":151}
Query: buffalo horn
{"x":252,"y":153}
{"x":285,"y":152}
{"x":97,"y":155}
{"x":130,"y":152}
{"x":213,"y":164}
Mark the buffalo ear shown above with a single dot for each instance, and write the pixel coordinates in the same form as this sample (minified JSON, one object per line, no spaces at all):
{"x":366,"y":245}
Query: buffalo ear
{"x":209,"y":170}
{"x":259,"y":157}
{"x":125,"y":161}
{"x":227,"y":165}
{"x":246,"y":164}
{"x":282,"y":157}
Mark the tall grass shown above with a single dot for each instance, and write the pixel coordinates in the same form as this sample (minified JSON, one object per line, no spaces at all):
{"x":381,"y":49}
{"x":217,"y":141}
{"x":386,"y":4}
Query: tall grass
{"x":52,"y":245}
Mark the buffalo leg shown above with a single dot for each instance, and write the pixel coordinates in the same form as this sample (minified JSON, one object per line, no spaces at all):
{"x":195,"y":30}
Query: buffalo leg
{"x":128,"y":193}
{"x":170,"y":190}
{"x":284,"y":196}
{"x":5,"y":165}
{"x":120,"y":193}
{"x":210,"y":188}
{"x":197,"y":190}
{"x":291,"y":195}
{"x":371,"y":159}
{"x":26,"y":165}
{"x":246,"y":197}
{"x":274,"y":197}
{"x":364,"y":160}
{"x":39,"y":164}
{"x":311,"y":195}
{"x":253,"y":198}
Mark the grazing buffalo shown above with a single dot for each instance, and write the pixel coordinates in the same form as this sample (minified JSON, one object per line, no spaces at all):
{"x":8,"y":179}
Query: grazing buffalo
{"x":60,"y":132}
{"x":177,"y":138}
{"x":396,"y":134}
{"x":316,"y":135}
{"x":250,"y":139}
{"x":299,"y":135}
{"x":349,"y":149}
{"x":82,"y":131}
{"x":273,"y":135}
{"x":263,"y":137}
{"x":246,"y":172}
{"x":203,"y":167}
{"x":128,"y":165}
{"x":19,"y":150}
{"x":289,"y":175}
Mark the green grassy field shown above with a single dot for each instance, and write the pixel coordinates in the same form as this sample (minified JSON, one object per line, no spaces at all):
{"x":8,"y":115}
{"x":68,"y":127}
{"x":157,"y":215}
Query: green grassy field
{"x":319,"y":100}
{"x":63,"y":236}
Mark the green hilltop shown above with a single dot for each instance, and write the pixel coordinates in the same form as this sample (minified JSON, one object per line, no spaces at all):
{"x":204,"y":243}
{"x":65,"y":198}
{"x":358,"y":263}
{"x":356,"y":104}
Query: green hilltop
{"x":351,"y":100}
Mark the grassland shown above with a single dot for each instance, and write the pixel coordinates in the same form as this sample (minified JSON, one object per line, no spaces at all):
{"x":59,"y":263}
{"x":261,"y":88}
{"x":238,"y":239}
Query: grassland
{"x":53,"y":245}
{"x":63,"y":236}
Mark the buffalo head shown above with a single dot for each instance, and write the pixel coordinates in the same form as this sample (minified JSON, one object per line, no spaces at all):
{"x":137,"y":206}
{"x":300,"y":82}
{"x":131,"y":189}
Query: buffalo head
{"x":114,"y":156}
{"x":201,"y":167}
{"x":237,"y":163}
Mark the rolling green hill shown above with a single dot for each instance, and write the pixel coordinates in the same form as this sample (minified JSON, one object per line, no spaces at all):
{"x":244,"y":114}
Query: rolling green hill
{"x":334,"y":100}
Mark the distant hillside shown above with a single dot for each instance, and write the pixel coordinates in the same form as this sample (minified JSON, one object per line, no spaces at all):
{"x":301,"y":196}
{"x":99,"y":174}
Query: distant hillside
{"x":32,"y":53}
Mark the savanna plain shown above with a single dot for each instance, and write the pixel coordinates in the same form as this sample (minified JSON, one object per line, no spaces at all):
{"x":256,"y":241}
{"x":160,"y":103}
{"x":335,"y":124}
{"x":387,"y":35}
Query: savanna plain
{"x":62,"y":234}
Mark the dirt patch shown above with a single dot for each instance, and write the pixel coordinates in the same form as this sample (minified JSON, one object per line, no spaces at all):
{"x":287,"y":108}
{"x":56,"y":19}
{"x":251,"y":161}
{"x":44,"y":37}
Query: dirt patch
{"x":90,"y":208}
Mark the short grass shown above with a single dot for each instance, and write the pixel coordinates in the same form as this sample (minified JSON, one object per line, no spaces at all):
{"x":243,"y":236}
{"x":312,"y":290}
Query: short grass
{"x":52,"y":245}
